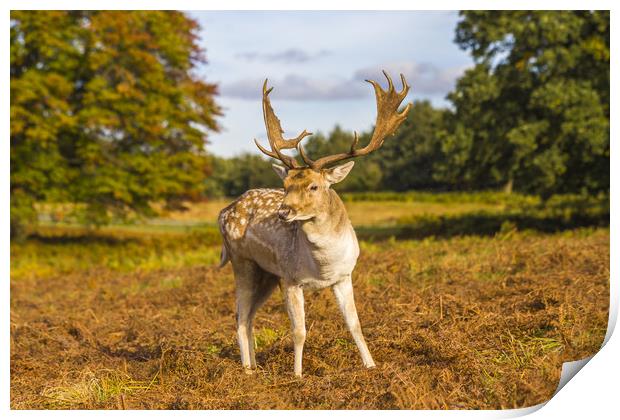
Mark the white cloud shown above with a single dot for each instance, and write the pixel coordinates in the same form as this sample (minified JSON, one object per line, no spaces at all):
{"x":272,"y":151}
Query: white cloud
{"x":425,"y":78}
{"x":297,"y":88}
{"x":291,"y":55}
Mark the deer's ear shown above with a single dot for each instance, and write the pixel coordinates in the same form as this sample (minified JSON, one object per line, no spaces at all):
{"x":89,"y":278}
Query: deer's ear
{"x":338,"y":173}
{"x":280,"y":170}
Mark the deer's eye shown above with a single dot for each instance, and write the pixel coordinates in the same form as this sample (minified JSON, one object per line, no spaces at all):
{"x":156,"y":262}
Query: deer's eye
{"x":314,"y":187}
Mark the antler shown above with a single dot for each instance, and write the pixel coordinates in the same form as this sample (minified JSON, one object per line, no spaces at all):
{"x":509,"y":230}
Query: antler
{"x":388,"y":120}
{"x":274,"y":134}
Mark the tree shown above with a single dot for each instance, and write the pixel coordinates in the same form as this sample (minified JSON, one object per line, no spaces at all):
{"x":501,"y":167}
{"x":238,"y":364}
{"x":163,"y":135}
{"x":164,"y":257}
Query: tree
{"x":533,"y":113}
{"x":233,"y":176}
{"x":106,"y":111}
{"x":408,"y":159}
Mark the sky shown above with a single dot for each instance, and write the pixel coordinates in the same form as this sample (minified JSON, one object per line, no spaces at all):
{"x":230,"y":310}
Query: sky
{"x":317,"y":62}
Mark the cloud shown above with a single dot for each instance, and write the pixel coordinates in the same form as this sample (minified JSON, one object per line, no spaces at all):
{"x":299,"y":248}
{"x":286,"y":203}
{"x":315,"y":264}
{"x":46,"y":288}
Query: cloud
{"x":297,"y":88}
{"x":292,"y":55}
{"x":424,"y":78}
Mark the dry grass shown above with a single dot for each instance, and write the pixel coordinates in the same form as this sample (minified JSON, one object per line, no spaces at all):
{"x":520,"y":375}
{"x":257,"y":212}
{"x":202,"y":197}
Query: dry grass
{"x":146,"y":321}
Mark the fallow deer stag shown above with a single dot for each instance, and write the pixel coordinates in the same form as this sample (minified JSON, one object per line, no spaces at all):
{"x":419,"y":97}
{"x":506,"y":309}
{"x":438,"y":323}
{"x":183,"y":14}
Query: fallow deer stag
{"x":299,"y":237}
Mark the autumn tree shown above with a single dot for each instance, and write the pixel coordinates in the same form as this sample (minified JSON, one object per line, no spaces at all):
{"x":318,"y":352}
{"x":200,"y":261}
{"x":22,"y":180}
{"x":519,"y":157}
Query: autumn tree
{"x":533,"y":113}
{"x":106,"y":111}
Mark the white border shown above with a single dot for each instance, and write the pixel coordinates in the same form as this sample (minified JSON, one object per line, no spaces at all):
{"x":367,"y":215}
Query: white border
{"x":594,"y":390}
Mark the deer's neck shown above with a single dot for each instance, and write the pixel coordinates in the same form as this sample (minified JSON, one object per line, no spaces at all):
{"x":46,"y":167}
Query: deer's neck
{"x":332,"y":223}
{"x":329,"y":240}
{"x":326,"y":248}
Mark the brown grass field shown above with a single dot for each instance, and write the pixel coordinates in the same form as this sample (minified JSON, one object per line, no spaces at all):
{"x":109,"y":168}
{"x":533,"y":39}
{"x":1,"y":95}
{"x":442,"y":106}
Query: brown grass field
{"x":140,"y":318}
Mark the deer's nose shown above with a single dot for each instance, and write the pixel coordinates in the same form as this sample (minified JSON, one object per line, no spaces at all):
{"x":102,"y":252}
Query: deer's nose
{"x":284,"y":212}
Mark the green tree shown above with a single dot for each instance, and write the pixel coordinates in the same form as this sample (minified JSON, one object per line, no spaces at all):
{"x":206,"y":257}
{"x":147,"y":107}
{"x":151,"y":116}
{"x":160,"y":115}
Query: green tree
{"x":408,"y":159}
{"x":533,"y":113}
{"x":106,"y":111}
{"x":232,"y":177}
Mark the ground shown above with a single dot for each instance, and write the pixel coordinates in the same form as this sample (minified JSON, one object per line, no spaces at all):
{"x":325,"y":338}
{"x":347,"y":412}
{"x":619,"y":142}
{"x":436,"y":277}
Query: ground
{"x":142,"y":318}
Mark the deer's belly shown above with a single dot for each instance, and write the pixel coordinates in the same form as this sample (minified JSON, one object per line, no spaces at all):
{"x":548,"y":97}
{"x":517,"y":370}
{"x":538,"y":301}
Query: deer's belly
{"x":313,"y":283}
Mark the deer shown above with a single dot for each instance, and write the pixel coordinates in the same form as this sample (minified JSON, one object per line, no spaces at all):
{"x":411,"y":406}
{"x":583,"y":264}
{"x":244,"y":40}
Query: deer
{"x":300,"y":237}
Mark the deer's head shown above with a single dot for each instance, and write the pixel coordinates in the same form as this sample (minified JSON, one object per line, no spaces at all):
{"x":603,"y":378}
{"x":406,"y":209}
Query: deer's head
{"x":306,"y":190}
{"x":306,"y":186}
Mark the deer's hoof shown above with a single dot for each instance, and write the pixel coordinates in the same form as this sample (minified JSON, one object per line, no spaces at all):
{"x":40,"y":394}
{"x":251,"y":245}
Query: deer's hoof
{"x":249,"y":371}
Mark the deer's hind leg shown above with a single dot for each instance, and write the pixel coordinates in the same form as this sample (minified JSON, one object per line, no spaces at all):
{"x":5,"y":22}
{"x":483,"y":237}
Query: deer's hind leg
{"x":265,"y":286}
{"x":253,"y":286}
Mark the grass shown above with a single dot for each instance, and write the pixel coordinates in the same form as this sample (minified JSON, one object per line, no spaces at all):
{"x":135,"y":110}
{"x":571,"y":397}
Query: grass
{"x":266,"y":337}
{"x":63,"y":250}
{"x":93,"y":389}
{"x":138,"y":317}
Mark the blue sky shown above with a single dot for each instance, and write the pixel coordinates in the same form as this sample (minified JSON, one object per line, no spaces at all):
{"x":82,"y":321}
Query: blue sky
{"x":317,"y":61}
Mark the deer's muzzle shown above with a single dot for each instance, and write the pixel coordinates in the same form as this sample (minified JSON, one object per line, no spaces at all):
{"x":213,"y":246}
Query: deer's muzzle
{"x":284,"y":212}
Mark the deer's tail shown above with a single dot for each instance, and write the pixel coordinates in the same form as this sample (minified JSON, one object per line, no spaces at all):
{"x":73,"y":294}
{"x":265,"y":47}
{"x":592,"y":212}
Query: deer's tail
{"x":224,"y":258}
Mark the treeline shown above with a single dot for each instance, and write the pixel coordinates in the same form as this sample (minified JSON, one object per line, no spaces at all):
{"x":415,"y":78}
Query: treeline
{"x":532,"y":116}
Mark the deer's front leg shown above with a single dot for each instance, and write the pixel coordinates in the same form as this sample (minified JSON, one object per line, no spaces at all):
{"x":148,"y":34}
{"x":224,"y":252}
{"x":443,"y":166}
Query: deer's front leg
{"x":344,"y":296}
{"x":294,"y":298}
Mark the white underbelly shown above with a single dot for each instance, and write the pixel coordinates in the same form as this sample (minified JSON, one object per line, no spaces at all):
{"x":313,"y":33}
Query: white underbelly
{"x":311,"y":283}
